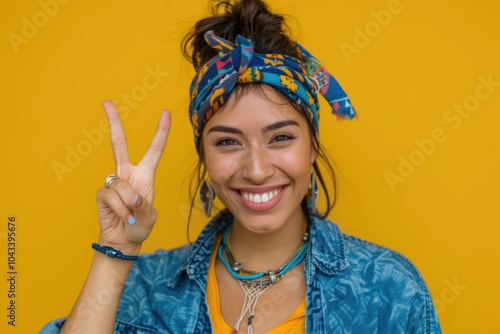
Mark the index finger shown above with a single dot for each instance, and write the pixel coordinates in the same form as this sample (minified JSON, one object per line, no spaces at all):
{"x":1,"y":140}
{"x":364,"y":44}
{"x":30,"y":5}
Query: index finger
{"x":118,"y":138}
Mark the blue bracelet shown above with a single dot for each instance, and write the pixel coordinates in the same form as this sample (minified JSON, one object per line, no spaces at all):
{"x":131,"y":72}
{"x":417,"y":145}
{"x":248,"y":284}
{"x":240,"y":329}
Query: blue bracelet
{"x":114,"y":253}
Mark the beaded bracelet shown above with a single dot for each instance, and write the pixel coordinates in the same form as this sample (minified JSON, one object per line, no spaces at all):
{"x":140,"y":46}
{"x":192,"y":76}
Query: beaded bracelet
{"x":114,"y":253}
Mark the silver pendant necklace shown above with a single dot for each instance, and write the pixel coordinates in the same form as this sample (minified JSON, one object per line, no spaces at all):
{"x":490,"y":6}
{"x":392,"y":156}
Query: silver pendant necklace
{"x":255,"y":283}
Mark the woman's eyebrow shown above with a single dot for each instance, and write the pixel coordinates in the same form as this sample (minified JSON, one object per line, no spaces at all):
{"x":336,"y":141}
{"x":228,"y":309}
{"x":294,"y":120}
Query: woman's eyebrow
{"x":279,"y":125}
{"x":227,"y":129}
{"x":270,"y":127}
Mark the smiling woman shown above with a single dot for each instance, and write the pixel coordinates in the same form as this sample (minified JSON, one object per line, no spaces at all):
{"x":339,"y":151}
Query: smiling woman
{"x":269,"y":262}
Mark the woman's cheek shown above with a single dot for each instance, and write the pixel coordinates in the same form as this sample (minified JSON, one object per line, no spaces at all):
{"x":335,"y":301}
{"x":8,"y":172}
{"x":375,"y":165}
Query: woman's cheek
{"x":295,"y":161}
{"x":221,"y":168}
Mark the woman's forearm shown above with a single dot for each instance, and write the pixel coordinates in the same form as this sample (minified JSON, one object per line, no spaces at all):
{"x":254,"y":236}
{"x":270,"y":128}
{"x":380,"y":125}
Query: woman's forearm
{"x":96,"y":307}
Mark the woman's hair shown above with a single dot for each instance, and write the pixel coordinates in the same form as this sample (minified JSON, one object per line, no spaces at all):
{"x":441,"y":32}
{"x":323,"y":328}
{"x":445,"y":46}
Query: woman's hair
{"x":253,"y":20}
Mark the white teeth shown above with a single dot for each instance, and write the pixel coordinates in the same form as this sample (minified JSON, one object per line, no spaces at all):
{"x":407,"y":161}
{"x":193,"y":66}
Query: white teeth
{"x":260,"y":198}
{"x":257,"y":199}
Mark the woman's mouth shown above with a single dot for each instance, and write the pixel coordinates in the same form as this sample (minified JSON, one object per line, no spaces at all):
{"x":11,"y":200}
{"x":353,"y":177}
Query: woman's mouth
{"x":261,"y":199}
{"x":258,"y":198}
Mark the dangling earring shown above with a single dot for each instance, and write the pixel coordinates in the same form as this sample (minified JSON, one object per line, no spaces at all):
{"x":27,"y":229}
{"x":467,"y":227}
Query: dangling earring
{"x":207,"y":196}
{"x":313,"y":193}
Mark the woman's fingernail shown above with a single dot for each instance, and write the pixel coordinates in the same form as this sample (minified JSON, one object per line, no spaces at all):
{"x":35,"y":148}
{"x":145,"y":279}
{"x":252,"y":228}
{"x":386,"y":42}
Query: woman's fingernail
{"x":137,"y":200}
{"x":130,"y":219}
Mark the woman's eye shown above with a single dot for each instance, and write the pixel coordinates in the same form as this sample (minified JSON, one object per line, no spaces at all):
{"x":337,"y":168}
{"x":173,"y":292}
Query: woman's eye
{"x":282,"y":138}
{"x":226,"y":142}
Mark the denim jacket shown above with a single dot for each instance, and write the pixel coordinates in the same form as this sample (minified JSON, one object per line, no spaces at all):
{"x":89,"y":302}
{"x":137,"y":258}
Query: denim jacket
{"x":353,"y":287}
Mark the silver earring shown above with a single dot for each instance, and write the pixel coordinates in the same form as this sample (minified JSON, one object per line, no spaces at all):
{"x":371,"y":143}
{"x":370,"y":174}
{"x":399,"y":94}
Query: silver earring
{"x":207,"y":196}
{"x":313,"y":193}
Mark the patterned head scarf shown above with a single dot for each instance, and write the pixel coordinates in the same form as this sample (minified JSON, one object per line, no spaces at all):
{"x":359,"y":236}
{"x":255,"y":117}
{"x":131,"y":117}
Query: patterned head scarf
{"x":299,"y":81}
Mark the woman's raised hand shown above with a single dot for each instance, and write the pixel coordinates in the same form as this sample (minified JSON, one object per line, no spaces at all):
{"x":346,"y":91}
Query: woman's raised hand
{"x":126,"y":214}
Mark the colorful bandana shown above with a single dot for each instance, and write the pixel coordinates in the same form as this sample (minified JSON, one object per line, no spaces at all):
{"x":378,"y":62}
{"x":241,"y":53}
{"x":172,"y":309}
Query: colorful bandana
{"x":301,"y":82}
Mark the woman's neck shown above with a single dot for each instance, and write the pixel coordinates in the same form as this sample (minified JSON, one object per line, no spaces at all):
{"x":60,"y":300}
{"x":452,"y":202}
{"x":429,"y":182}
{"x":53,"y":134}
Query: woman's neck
{"x":266,"y":251}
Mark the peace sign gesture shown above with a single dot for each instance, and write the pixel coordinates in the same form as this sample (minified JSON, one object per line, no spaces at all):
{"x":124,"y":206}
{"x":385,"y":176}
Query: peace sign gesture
{"x":126,"y":214}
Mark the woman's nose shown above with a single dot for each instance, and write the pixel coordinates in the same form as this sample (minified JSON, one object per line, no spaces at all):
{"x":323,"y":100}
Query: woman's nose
{"x":257,"y":166}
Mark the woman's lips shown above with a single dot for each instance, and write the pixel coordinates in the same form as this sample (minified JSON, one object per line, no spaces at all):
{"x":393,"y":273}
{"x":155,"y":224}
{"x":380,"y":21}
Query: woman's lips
{"x":261,"y":199}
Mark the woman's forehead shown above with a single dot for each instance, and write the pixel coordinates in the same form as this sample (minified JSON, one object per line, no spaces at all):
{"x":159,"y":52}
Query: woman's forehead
{"x":256,"y":106}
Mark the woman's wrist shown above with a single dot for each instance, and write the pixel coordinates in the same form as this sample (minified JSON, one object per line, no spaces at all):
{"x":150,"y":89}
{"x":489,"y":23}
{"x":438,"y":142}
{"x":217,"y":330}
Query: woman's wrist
{"x":113,"y":252}
{"x":127,"y":250}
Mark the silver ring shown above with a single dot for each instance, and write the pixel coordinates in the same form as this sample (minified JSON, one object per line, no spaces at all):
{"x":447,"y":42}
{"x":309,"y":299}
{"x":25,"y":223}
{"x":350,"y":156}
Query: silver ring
{"x":110,"y":179}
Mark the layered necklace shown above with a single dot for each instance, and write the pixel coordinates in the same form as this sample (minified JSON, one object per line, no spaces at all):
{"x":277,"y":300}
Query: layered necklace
{"x":255,"y":283}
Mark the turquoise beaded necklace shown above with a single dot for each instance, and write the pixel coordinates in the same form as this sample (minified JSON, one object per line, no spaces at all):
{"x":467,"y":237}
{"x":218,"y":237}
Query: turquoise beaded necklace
{"x":235,"y":268}
{"x":255,"y":283}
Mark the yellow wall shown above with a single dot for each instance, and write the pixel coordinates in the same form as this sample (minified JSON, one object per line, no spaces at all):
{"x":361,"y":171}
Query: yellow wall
{"x":417,"y":175}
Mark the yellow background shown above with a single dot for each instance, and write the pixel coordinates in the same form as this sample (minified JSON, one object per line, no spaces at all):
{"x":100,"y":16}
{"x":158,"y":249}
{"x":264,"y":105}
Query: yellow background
{"x":403,"y":79}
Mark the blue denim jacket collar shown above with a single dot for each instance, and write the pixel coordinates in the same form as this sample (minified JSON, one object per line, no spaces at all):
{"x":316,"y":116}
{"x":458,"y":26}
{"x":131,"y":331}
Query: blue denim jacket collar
{"x":327,"y":253}
{"x":196,"y":264}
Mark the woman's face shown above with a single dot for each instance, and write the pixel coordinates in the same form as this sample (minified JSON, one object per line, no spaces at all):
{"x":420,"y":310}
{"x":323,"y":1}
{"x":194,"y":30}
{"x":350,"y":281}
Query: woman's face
{"x":258,"y":156}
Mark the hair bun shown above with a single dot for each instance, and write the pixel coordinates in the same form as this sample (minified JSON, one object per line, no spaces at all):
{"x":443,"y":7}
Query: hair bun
{"x":250,"y":18}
